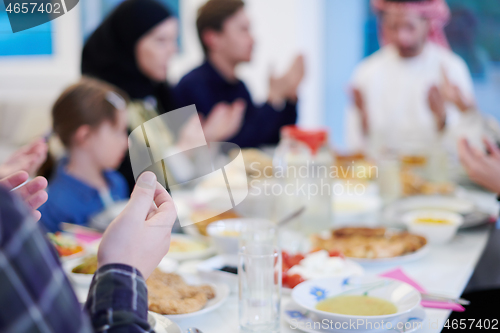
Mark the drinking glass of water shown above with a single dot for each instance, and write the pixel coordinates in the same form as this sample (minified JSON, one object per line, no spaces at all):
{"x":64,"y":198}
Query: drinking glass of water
{"x":259,"y":273}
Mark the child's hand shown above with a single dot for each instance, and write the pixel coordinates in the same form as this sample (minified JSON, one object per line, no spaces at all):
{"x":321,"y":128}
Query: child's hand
{"x":33,"y":192}
{"x":140,"y":235}
{"x":28,"y":158}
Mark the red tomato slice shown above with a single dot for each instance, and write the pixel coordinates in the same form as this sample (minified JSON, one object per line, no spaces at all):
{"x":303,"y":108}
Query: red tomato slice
{"x":293,"y":280}
{"x":336,"y":253}
{"x":285,"y":268}
{"x":295,"y":260}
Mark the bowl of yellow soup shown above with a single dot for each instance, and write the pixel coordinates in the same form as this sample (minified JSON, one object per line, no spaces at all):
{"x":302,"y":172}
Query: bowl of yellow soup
{"x":438,"y":226}
{"x":369,"y":299}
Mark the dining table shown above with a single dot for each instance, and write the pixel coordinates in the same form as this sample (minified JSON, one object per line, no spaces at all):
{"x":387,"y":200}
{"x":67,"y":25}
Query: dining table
{"x":445,"y":270}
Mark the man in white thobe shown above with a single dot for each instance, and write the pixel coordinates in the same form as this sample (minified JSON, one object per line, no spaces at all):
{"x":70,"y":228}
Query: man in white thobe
{"x":414,"y":93}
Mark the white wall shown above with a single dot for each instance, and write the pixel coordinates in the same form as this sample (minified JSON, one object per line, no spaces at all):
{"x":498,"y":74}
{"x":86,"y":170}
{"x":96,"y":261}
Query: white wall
{"x":37,"y":76}
{"x":310,"y":26}
{"x":282,"y":29}
{"x":344,"y":44}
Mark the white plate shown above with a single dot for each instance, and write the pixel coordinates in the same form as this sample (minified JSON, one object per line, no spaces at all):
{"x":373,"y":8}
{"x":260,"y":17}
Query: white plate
{"x":160,"y":324}
{"x":221,"y":294}
{"x":464,"y":205}
{"x":191,"y":255}
{"x":303,"y":319}
{"x":420,"y":253}
{"x":82,"y":280}
{"x":456,"y":205}
{"x":209,"y":270}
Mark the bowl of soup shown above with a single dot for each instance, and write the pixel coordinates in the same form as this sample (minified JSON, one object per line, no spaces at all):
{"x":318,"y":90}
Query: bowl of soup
{"x":437,"y":226}
{"x":367,"y":298}
{"x":225,"y":235}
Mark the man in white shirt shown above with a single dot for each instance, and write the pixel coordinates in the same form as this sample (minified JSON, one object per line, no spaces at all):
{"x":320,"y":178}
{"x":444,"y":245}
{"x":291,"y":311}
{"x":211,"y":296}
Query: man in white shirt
{"x":413,"y":92}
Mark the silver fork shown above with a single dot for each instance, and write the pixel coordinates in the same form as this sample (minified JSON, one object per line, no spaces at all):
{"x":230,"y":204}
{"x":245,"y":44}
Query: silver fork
{"x":444,"y":298}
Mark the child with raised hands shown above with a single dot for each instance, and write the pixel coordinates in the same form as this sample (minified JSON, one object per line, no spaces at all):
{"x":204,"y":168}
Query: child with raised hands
{"x":90,"y":119}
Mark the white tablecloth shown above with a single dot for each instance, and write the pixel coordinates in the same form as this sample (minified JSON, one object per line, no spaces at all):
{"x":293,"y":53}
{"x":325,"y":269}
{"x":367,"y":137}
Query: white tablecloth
{"x":445,"y":270}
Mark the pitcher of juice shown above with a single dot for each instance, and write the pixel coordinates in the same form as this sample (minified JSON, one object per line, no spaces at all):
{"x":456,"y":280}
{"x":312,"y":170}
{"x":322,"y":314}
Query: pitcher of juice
{"x":302,"y":166}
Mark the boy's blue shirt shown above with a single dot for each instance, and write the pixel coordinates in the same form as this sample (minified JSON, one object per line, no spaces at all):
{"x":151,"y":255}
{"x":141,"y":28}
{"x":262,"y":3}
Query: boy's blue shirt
{"x":73,"y":201}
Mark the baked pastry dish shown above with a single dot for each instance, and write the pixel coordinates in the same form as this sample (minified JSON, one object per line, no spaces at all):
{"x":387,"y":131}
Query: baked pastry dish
{"x":369,"y":243}
{"x":168,"y":293}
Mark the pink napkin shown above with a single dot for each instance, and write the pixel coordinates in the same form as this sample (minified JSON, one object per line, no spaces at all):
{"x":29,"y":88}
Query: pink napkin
{"x":82,"y":234}
{"x":87,"y":238}
{"x":398,"y":274}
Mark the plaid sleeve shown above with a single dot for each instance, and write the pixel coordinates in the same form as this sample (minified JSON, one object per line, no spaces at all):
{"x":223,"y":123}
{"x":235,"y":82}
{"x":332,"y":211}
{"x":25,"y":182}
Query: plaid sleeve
{"x":35,"y":295}
{"x":118,"y":300}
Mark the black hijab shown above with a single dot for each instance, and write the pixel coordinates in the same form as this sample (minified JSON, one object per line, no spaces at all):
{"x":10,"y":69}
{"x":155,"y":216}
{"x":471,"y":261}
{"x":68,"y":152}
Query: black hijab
{"x":109,"y":53}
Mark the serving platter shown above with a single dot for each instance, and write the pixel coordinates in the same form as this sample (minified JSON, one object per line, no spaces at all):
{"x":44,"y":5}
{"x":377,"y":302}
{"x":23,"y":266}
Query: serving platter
{"x":372,"y":232}
{"x":221,"y":295}
{"x":399,"y":260}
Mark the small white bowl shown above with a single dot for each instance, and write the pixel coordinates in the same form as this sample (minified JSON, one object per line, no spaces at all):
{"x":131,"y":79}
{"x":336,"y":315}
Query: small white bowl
{"x":82,"y":280}
{"x":309,"y":293}
{"x":166,"y":265}
{"x":226,"y":234}
{"x":436,"y":233}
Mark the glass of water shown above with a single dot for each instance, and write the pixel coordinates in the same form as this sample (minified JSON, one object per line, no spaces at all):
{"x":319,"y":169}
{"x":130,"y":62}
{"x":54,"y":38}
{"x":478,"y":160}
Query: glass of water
{"x":259,"y":274}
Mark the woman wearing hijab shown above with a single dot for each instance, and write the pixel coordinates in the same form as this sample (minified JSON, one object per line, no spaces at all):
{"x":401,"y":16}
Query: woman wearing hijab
{"x":120,"y":53}
{"x":131,"y":49}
